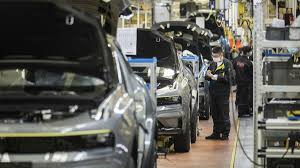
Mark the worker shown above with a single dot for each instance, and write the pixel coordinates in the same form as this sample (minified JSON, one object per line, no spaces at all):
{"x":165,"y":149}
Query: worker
{"x":244,"y":79}
{"x":220,"y":75}
{"x":288,"y":17}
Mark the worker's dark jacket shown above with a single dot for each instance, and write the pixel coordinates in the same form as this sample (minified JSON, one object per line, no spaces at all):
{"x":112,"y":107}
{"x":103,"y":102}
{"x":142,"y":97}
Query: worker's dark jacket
{"x":244,"y":70}
{"x":225,"y":74}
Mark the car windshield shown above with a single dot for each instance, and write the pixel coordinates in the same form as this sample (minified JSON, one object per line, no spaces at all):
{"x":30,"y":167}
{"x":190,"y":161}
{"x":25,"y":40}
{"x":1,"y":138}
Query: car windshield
{"x":46,"y":48}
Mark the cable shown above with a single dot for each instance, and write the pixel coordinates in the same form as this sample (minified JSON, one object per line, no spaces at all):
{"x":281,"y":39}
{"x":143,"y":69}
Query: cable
{"x":235,"y":125}
{"x":210,"y":13}
{"x":287,"y":148}
{"x":237,"y":133}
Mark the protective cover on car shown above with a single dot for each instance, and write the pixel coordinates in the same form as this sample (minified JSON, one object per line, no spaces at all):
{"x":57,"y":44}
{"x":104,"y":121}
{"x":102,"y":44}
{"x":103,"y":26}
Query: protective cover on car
{"x":110,"y":9}
{"x":189,"y":31}
{"x":46,"y":30}
{"x":210,"y":23}
{"x":151,"y":43}
{"x":183,"y":26}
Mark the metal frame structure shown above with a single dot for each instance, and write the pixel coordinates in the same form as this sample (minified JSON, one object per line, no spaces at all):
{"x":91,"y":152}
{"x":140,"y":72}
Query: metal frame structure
{"x":195,"y":63}
{"x":150,"y":63}
{"x":262,"y":91}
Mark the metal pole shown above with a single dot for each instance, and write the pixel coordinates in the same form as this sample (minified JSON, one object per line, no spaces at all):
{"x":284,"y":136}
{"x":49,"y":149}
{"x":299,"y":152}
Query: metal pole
{"x":277,"y":13}
{"x":123,"y":22}
{"x":146,"y":19}
{"x":138,"y":14}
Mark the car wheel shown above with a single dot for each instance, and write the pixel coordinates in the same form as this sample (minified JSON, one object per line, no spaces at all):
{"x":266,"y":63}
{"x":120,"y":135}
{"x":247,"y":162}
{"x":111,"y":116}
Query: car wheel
{"x":155,"y":163}
{"x":194,"y":126}
{"x":182,"y":142}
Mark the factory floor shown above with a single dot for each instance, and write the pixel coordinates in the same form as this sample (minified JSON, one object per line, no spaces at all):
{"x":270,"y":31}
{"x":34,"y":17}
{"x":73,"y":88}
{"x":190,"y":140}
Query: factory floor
{"x":215,"y":154}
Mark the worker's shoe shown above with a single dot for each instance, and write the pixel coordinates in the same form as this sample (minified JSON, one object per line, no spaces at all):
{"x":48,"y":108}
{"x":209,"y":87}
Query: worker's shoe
{"x":224,"y":137}
{"x":213,"y":136}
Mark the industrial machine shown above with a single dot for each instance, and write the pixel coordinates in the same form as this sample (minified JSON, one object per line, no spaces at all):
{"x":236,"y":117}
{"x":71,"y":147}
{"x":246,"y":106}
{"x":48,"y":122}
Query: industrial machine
{"x":276,"y":97}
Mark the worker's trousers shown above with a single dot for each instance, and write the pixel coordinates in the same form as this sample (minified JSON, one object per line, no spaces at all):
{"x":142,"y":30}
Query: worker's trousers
{"x":244,"y":99}
{"x":219,"y":105}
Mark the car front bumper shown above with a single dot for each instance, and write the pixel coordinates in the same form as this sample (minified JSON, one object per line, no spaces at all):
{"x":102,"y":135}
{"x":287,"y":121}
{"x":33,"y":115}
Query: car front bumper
{"x":170,"y":119}
{"x":111,"y":159}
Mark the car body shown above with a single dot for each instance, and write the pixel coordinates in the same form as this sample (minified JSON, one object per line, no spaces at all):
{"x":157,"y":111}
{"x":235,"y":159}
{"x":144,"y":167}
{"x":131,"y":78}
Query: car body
{"x":177,"y":88}
{"x":197,"y":41}
{"x":68,"y":96}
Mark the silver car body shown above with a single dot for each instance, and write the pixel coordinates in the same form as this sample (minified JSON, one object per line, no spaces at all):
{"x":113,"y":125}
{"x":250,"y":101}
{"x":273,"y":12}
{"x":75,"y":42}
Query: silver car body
{"x":124,"y":118}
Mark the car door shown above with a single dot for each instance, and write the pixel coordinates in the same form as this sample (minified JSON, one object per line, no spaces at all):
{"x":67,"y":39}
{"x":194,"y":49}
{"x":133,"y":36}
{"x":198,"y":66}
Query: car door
{"x":137,"y":90}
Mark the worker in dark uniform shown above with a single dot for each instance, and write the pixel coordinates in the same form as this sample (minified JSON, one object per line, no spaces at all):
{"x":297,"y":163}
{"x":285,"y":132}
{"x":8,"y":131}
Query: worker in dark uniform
{"x":244,"y":78}
{"x":220,"y":74}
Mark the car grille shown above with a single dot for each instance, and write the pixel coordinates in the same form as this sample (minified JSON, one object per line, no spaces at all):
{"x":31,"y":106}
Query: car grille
{"x":20,"y":145}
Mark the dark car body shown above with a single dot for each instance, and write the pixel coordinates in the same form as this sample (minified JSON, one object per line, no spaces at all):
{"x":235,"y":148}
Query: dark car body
{"x":68,"y":97}
{"x":190,"y":31}
{"x":177,"y":88}
{"x":197,"y":40}
{"x":211,"y":22}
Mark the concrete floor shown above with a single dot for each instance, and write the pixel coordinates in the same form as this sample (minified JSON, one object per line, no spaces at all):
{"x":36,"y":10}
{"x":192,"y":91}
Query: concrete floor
{"x":205,"y":153}
{"x":247,"y":141}
{"x":215,"y":154}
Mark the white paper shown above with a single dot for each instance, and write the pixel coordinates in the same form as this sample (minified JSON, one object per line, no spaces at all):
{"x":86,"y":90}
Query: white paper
{"x":161,"y":13}
{"x":127,"y":38}
{"x":200,"y":21}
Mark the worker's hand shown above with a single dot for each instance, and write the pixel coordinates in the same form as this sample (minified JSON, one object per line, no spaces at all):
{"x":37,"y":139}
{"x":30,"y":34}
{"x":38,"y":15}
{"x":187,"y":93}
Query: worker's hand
{"x":209,"y":74}
{"x":214,"y":77}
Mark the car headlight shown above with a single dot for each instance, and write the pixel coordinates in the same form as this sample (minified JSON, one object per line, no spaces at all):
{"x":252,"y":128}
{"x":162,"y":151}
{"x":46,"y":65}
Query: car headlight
{"x":169,"y":100}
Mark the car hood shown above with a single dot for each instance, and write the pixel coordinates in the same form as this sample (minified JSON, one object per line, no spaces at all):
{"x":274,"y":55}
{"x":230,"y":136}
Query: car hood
{"x":58,"y":42}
